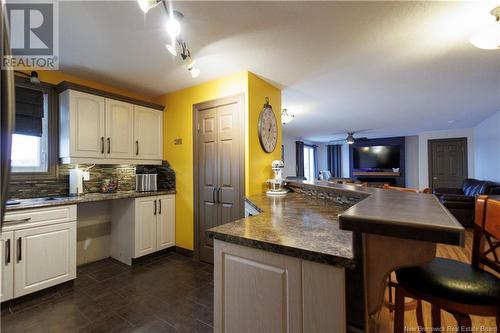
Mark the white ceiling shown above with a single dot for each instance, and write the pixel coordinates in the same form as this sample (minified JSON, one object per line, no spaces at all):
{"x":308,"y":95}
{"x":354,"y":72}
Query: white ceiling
{"x":388,"y":68}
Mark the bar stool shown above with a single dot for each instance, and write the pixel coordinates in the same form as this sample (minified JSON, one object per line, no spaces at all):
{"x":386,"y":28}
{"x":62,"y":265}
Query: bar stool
{"x":459,"y":288}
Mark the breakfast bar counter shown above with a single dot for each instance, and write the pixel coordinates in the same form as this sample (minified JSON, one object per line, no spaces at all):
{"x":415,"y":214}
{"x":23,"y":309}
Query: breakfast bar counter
{"x":320,"y":244}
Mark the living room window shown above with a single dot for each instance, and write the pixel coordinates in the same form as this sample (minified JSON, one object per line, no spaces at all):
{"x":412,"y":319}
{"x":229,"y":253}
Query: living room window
{"x":309,"y":162}
{"x":34,"y":141}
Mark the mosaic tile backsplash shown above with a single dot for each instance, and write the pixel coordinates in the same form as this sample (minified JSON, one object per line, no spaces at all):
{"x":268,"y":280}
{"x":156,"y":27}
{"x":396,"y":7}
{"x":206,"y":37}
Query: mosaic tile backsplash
{"x":123,"y":174}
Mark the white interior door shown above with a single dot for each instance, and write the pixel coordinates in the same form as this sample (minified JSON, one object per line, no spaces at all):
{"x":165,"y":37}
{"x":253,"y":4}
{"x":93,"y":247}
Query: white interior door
{"x":44,"y":256}
{"x":145,"y":226}
{"x":87,"y":125}
{"x":7,"y":265}
{"x":148,"y":133}
{"x":166,"y":221}
{"x":119,"y":129}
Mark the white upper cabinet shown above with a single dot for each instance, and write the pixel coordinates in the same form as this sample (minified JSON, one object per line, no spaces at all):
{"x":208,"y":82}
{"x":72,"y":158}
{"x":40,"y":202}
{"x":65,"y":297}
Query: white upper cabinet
{"x":119,"y":129}
{"x":81,"y":125}
{"x":95,"y":129}
{"x":148,"y":132}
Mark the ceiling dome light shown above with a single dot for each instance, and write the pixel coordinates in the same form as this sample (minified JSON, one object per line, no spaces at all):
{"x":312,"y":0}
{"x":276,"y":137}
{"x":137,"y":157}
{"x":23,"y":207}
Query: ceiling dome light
{"x":285,"y":117}
{"x":173,"y":27}
{"x":146,"y":5}
{"x":195,"y":72}
{"x":171,"y":49}
{"x":488,"y":38}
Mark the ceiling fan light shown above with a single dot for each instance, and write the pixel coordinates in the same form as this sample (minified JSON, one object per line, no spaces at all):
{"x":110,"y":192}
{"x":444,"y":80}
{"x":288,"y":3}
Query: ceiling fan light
{"x":173,"y":27}
{"x":349,"y":139}
{"x":146,"y":5}
{"x":171,"y":49}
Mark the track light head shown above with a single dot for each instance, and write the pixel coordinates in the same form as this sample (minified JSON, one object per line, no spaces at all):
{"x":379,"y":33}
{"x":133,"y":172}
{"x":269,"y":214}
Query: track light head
{"x":171,"y":49}
{"x":146,"y":5}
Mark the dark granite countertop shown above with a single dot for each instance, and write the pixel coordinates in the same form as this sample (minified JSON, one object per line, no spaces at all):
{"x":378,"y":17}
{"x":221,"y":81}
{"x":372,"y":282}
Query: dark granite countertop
{"x":88,"y":197}
{"x":407,"y":215}
{"x":307,"y":224}
{"x":293,"y":225}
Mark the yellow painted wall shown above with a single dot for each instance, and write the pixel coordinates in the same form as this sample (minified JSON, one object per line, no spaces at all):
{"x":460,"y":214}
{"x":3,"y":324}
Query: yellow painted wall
{"x":257,"y":161}
{"x":178,"y":123}
{"x":56,"y":77}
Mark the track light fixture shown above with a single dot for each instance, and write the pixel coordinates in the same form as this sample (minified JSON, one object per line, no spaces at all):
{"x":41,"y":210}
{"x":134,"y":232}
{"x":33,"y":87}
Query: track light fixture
{"x":173,"y":28}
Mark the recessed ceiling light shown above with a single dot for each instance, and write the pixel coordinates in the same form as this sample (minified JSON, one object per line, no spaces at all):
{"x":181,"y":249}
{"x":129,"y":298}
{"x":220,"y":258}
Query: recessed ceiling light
{"x":452,"y":121}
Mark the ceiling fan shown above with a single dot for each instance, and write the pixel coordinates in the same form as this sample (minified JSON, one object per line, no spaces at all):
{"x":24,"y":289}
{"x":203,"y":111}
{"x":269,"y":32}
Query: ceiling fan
{"x":350,"y":139}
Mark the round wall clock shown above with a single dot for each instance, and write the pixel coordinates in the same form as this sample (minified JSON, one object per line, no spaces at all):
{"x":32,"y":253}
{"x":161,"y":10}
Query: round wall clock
{"x":268,"y":128}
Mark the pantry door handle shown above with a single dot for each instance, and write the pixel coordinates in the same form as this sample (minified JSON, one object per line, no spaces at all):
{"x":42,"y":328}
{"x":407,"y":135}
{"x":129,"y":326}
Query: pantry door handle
{"x":109,"y":145}
{"x":155,"y":208}
{"x":159,"y":210}
{"x":213,"y":195}
{"x":137,"y":147}
{"x":7,"y":252}
{"x":218,"y":195}
{"x":102,"y":145}
{"x":19,"y":249}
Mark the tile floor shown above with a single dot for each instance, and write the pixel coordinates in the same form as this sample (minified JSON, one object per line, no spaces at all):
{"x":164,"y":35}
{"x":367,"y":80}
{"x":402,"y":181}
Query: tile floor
{"x":167,"y":293}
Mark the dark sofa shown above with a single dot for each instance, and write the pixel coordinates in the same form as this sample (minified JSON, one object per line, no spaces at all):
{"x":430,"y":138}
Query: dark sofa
{"x":461,"y":201}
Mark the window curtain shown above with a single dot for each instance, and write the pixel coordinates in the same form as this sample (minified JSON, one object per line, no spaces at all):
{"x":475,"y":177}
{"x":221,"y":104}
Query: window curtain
{"x":29,"y":111}
{"x":299,"y":158}
{"x":334,"y":156}
{"x":316,"y":171}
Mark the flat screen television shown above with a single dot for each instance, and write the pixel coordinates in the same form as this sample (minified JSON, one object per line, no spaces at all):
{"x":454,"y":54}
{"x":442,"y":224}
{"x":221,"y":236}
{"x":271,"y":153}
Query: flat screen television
{"x":376,"y":157}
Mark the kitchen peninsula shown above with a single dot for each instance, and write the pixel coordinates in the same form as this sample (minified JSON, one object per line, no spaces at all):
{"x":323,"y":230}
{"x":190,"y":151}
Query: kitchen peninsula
{"x":317,"y":259}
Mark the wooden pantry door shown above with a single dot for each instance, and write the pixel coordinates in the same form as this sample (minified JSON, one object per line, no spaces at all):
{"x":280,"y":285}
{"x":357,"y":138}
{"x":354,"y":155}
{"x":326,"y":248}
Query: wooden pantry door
{"x":218,"y":168}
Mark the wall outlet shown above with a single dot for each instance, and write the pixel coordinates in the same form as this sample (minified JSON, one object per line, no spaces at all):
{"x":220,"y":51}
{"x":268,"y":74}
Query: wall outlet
{"x":86,"y":175}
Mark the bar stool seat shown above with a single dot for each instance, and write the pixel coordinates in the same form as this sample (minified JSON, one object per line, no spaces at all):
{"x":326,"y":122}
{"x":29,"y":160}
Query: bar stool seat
{"x":453,"y":281}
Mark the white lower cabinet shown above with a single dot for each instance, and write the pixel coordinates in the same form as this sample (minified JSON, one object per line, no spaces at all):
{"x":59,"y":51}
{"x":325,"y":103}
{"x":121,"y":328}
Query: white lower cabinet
{"x":142,"y":226}
{"x":45,"y":256}
{"x":38,"y":254}
{"x":7,"y":250}
{"x":165,"y":225}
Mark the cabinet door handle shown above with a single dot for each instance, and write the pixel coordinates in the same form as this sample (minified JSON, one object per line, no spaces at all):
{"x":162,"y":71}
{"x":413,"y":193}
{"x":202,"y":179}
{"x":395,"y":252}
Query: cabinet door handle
{"x":7,"y":252}
{"x":218,"y":195}
{"x":137,"y":147}
{"x":102,"y":145}
{"x":109,"y":145}
{"x":19,"y":249}
{"x":159,"y":208}
{"x":155,"y":208}
{"x":19,"y":221}
{"x":213,"y":195}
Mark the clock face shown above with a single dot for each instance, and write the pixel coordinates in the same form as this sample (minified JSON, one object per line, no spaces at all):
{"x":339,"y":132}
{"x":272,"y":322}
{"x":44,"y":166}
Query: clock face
{"x":268,"y":130}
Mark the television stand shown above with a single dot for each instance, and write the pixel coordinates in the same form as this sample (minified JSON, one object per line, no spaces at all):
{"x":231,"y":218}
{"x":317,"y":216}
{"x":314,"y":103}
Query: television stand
{"x":376,"y":174}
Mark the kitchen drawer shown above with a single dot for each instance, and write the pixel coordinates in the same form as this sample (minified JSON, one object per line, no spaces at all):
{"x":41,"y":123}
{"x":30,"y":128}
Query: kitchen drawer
{"x":25,"y":218}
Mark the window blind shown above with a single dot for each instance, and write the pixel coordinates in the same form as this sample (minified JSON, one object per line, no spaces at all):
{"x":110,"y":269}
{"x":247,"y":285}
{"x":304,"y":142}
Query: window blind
{"x":29,"y":111}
